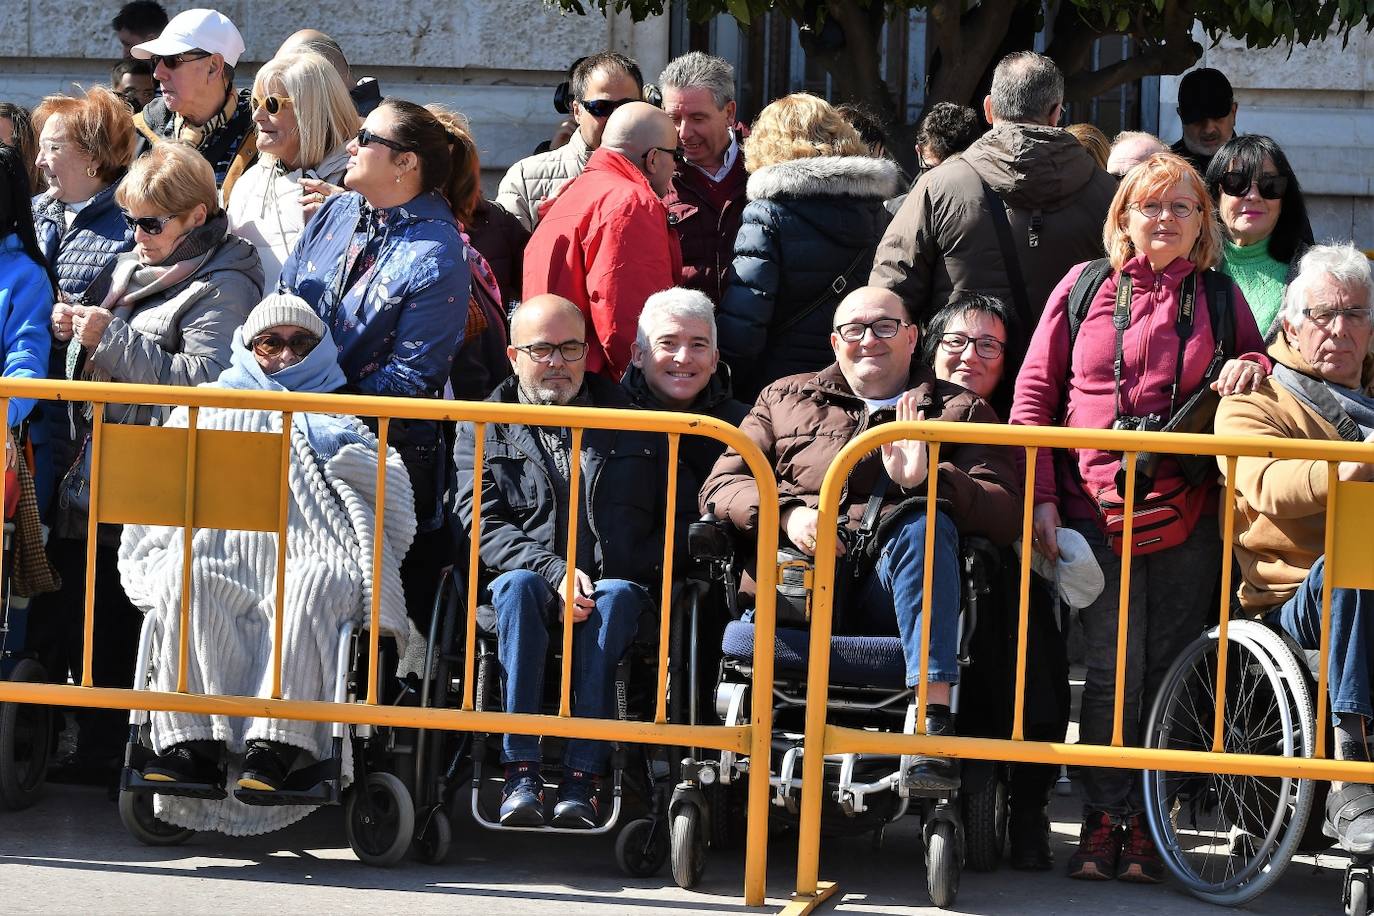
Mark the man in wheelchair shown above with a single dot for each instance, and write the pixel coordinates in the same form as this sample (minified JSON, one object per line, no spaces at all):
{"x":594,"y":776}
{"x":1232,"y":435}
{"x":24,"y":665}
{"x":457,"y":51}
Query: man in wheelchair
{"x":524,"y":529}
{"x":1322,"y":388}
{"x":803,"y":421}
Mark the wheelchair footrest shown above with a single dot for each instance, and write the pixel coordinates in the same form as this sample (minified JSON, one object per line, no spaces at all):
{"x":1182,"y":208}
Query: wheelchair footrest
{"x":132,"y":780}
{"x":317,"y":784}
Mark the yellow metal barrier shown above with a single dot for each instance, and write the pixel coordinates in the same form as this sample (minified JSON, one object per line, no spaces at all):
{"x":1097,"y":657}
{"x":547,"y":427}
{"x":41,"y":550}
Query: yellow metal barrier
{"x":1349,"y":564}
{"x":208,"y":478}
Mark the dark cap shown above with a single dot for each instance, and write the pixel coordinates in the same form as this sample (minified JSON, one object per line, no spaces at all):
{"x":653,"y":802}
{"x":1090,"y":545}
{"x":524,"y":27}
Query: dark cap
{"x":1202,"y":94}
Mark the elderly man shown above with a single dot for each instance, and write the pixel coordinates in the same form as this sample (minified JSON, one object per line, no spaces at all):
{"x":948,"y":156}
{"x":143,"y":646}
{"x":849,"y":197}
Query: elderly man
{"x":708,"y":189}
{"x":193,"y":61}
{"x":801,"y":423}
{"x":524,"y":530}
{"x":599,"y":85}
{"x":605,"y":242}
{"x":1129,"y":149}
{"x":1322,"y":388}
{"x":1207,"y":108}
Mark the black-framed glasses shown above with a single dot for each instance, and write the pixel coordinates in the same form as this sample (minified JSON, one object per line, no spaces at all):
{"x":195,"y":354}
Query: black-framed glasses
{"x":273,"y":103}
{"x":602,"y":108}
{"x":153,"y":225}
{"x":172,"y":61}
{"x":570,"y":350}
{"x":678,"y":153}
{"x":271,"y":345}
{"x":367,"y":137}
{"x":1237,"y":184}
{"x":883,"y":329}
{"x":1323,"y":317}
{"x":1153,"y":209}
{"x":986,"y":347}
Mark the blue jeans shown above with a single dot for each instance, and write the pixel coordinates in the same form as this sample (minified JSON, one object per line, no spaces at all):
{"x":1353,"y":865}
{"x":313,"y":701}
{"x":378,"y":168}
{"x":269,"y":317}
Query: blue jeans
{"x":526,"y":607}
{"x":892,"y":594}
{"x":1352,"y":652}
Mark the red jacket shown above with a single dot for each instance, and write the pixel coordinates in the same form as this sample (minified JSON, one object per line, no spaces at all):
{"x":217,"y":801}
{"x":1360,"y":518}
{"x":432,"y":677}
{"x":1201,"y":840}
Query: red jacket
{"x":604,"y":243}
{"x":707,"y":217}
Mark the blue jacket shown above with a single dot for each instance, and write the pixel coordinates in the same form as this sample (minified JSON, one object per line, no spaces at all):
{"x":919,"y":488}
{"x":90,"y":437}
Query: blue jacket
{"x":78,"y":254}
{"x":399,"y":323}
{"x":26,"y":301}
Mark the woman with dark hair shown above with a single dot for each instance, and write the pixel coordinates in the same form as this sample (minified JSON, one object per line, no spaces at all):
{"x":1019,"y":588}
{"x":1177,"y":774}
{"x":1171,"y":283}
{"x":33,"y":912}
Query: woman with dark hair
{"x":27,"y":289}
{"x":967,"y":342}
{"x":1265,"y":218}
{"x":16,"y":130}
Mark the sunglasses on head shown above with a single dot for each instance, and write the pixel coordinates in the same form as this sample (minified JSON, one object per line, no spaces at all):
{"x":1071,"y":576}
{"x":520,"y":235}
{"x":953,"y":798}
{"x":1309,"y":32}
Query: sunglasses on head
{"x":602,"y":108}
{"x":271,"y":345}
{"x":153,"y":225}
{"x":172,"y":61}
{"x":367,"y":137}
{"x":1237,"y":184}
{"x":273,"y":103}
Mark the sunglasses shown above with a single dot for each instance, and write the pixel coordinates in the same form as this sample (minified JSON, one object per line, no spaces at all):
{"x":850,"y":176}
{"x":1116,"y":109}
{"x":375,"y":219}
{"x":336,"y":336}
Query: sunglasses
{"x":602,"y":108}
{"x":367,"y":137}
{"x":273,"y":103}
{"x":172,"y":61}
{"x":1237,"y":184}
{"x":152,"y":225}
{"x":271,"y":345}
{"x":679,"y":154}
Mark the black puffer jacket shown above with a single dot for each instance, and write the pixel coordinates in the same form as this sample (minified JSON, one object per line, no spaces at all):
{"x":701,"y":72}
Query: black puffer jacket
{"x":808,"y":222}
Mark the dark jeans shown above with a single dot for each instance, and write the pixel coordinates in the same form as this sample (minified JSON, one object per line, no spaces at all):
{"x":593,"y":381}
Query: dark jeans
{"x":891,"y":597}
{"x":1352,"y":651}
{"x":526,"y":607}
{"x":1170,"y":594}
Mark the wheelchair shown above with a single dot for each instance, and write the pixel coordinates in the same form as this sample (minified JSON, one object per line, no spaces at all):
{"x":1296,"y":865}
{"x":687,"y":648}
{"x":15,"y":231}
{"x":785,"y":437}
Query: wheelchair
{"x":1227,"y":839}
{"x":28,"y":732}
{"x":863,"y":793}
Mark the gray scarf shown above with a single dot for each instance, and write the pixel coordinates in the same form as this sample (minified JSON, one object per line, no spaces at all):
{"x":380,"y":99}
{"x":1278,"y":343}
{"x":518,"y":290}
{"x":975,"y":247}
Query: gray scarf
{"x":1357,"y":405}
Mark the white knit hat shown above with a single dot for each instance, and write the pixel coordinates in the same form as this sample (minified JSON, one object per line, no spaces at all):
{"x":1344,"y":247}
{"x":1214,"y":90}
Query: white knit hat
{"x":278,"y":309}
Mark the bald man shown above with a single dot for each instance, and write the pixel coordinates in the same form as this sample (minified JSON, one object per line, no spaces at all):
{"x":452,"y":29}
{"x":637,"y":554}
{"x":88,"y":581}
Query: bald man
{"x":604,"y":241}
{"x":1130,"y":148}
{"x":367,"y":94}
{"x":527,"y":579}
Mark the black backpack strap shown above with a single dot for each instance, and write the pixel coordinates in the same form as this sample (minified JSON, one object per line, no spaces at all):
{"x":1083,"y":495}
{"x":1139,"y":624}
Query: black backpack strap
{"x":835,"y":291}
{"x":1094,"y":274}
{"x":1222,"y":312}
{"x":998,"y":209}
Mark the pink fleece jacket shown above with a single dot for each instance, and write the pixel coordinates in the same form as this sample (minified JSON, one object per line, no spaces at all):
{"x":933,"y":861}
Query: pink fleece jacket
{"x":1047,"y":394}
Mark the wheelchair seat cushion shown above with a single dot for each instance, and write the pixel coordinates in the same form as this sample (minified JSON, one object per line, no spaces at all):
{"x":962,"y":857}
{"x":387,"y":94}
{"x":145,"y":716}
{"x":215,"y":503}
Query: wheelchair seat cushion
{"x":855,"y":661}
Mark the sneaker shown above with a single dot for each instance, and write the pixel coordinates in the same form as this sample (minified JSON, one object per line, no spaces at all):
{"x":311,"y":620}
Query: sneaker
{"x":1029,"y":833}
{"x":191,"y":762}
{"x":1099,"y":847}
{"x":266,"y":766}
{"x":1140,"y":861}
{"x":522,"y":798}
{"x":578,"y":807}
{"x":930,"y":774}
{"x":1350,"y":817}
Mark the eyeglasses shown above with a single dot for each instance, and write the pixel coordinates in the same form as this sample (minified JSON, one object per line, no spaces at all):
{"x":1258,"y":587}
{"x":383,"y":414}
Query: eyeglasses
{"x":367,"y":137}
{"x":271,"y":345}
{"x":883,"y":328}
{"x":1152,"y":209}
{"x":273,"y":103}
{"x":602,"y":108}
{"x":570,"y":350}
{"x":1323,"y":317}
{"x":986,"y":347}
{"x":679,"y":154}
{"x":1237,"y":184}
{"x":172,"y":61}
{"x":153,"y":225}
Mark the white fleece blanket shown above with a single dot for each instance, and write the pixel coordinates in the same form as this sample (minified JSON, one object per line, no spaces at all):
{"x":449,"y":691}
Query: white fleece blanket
{"x":233,"y":590}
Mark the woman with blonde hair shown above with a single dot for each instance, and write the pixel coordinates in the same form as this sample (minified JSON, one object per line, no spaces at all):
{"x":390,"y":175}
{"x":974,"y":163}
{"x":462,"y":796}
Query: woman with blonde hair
{"x":1144,"y":345}
{"x":1092,"y":140}
{"x":813,"y":221}
{"x":304,"y":117}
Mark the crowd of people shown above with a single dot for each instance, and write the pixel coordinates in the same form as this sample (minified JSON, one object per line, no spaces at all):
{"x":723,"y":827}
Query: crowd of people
{"x":309,"y":234}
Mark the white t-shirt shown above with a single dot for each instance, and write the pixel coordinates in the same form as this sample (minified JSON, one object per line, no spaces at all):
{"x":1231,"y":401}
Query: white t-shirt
{"x":875,"y":405}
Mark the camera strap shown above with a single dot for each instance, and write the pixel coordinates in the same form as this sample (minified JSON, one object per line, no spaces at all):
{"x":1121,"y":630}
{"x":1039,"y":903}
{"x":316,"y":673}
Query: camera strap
{"x":1183,"y":327}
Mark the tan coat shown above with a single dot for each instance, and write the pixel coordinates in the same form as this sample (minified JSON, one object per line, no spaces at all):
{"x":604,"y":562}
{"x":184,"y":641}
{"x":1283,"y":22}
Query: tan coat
{"x":533,"y":180}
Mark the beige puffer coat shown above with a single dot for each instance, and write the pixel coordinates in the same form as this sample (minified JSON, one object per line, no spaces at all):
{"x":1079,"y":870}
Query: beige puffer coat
{"x":534,"y":179}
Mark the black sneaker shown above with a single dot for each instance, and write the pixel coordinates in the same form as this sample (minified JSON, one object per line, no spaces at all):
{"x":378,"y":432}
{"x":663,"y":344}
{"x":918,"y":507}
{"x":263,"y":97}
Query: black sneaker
{"x":1029,"y":833}
{"x":578,"y":807}
{"x":191,"y":762}
{"x":930,"y":774}
{"x":266,"y":766}
{"x":522,"y":798}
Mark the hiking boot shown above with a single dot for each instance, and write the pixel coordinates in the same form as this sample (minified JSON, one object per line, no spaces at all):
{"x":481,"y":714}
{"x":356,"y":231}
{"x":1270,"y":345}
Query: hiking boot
{"x":578,"y":807}
{"x":1140,"y":862}
{"x":1029,"y":834}
{"x":522,"y":798}
{"x":1099,"y":848}
{"x":191,"y":762}
{"x":266,"y":766}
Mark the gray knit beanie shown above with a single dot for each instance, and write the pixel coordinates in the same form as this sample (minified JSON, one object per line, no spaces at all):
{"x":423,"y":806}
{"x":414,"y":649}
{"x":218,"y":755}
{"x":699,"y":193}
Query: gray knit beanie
{"x":278,"y":309}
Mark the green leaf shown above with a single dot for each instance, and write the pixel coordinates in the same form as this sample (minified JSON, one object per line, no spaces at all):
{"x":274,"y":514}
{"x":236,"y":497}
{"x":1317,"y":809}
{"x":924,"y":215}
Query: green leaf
{"x":1123,"y":21}
{"x":740,"y":10}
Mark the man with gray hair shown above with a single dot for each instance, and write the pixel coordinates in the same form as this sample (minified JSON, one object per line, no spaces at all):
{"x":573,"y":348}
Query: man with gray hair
{"x":1322,"y":388}
{"x":1130,"y":148}
{"x":708,"y":188}
{"x":1008,"y":218}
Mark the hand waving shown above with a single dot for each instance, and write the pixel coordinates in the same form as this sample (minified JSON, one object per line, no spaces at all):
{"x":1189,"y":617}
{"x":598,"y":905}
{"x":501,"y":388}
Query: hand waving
{"x":907,"y":460}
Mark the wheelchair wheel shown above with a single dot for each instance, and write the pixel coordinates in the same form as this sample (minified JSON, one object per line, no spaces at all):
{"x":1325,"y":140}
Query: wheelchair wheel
{"x":435,"y":838}
{"x":379,"y":820}
{"x":640,"y":849}
{"x":136,"y":811}
{"x":688,"y":853}
{"x":26,"y":732}
{"x":985,"y":822}
{"x":942,"y":863}
{"x":1228,"y":838}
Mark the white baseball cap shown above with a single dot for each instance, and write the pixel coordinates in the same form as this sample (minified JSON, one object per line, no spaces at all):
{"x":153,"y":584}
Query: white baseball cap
{"x":207,"y":30}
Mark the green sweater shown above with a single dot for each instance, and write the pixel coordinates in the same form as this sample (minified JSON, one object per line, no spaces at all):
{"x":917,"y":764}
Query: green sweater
{"x":1260,"y":278}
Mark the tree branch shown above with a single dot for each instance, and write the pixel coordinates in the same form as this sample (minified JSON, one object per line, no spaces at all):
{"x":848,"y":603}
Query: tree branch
{"x":967,"y":42}
{"x":1170,"y":50}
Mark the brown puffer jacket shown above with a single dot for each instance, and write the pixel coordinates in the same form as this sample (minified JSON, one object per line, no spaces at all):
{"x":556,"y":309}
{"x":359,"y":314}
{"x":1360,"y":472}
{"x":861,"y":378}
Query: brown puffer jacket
{"x":943,"y":240}
{"x":801,"y":422}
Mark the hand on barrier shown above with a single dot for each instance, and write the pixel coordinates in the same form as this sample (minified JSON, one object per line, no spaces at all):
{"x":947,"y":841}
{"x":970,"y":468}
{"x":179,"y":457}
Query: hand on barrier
{"x":62,"y":322}
{"x":907,"y":460}
{"x":799,"y":524}
{"x":1044,"y":522}
{"x":89,"y":323}
{"x":582,"y":597}
{"x":1239,"y":376}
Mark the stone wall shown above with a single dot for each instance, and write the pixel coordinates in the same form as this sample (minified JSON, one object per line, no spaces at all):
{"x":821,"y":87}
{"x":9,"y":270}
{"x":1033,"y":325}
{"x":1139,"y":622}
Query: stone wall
{"x":1317,"y":104}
